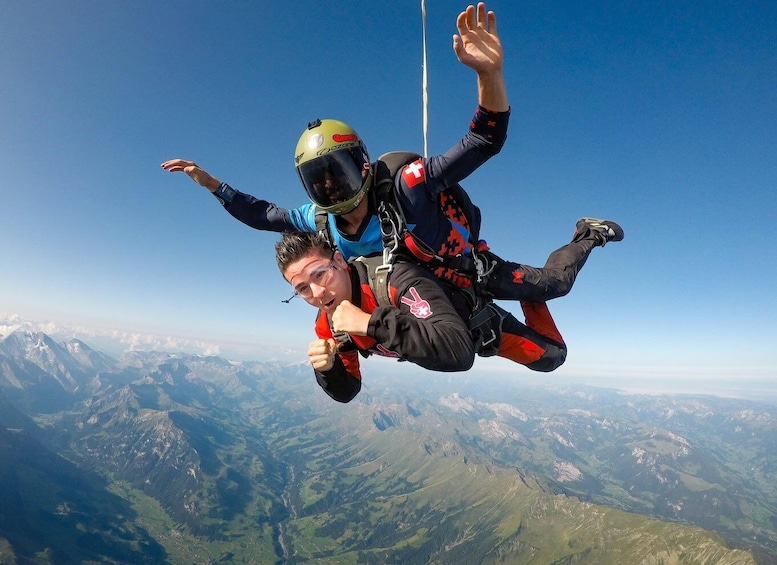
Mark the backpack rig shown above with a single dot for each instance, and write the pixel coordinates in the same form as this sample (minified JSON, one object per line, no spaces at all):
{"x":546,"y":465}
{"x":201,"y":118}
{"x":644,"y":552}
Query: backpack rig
{"x":471,"y":269}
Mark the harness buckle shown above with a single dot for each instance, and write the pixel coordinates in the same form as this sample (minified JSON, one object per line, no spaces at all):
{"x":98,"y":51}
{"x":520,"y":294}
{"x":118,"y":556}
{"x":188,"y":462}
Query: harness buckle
{"x":480,"y":267}
{"x":490,"y":340}
{"x":386,"y":267}
{"x":486,"y":328}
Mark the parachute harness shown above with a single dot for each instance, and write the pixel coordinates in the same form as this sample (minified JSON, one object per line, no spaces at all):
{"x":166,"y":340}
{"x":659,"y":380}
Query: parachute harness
{"x":485,"y":322}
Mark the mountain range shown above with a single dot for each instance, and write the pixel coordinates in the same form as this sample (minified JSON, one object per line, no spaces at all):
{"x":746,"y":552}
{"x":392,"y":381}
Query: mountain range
{"x":168,"y":458}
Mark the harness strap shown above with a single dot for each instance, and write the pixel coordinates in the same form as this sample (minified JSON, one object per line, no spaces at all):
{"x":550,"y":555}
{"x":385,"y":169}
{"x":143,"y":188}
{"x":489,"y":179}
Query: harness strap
{"x":378,"y":272}
{"x":486,"y":328}
{"x":343,"y":339}
{"x":421,"y":252}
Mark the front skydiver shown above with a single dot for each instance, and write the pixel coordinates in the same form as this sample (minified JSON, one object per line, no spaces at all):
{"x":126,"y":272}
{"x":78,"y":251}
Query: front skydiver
{"x":422,"y":322}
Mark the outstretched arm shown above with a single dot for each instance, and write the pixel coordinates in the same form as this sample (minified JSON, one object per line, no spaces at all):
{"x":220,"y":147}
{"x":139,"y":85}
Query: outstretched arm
{"x":477,"y":45}
{"x":201,"y":177}
{"x":256,"y":213}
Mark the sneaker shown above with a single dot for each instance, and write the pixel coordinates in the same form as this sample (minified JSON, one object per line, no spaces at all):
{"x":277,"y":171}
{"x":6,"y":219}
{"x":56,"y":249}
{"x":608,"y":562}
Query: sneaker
{"x":606,"y":229}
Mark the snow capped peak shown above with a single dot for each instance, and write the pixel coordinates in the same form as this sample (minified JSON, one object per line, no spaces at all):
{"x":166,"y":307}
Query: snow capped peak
{"x":457,"y":403}
{"x":37,"y":348}
{"x":76,"y":346}
{"x":21,"y":343}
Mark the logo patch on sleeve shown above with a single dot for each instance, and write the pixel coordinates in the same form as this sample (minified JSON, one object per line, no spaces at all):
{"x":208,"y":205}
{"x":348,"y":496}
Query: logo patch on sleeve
{"x":418,"y":306}
{"x":380,"y":350}
{"x":414,"y":173}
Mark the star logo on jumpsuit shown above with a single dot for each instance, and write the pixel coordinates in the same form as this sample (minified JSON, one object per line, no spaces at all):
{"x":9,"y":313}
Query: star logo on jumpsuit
{"x":418,"y":306}
{"x":517,"y":277}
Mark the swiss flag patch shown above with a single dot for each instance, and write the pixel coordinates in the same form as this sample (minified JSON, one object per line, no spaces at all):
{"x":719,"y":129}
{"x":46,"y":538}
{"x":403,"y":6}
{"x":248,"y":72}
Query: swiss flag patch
{"x":414,"y":173}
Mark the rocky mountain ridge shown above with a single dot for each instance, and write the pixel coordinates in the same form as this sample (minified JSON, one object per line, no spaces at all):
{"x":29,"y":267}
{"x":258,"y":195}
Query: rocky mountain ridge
{"x":249,"y":462}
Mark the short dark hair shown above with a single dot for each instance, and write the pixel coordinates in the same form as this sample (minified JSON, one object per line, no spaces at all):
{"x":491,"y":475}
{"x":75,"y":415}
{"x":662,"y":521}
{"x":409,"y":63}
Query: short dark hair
{"x":296,"y":245}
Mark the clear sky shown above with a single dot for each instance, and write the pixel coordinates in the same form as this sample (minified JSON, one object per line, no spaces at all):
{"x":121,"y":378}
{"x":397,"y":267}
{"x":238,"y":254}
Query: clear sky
{"x":660,"y":115}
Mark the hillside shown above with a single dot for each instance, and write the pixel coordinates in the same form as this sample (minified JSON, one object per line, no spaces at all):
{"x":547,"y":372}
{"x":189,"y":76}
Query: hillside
{"x":183,"y":459}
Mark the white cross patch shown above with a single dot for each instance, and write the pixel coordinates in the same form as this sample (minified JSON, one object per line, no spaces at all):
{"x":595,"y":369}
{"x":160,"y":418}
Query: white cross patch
{"x":415,"y":168}
{"x":414,"y":173}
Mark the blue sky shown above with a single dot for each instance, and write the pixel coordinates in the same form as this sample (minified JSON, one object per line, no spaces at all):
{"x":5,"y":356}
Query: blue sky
{"x":660,"y":115}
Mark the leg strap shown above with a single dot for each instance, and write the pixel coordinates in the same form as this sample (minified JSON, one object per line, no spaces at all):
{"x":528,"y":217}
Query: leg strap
{"x":485,"y":324}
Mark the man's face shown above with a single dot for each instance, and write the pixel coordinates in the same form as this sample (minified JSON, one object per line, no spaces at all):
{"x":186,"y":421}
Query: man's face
{"x":320,"y":279}
{"x":329,"y":188}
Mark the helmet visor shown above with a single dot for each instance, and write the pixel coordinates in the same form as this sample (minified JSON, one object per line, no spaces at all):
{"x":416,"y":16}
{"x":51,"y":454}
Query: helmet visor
{"x":334,"y":178}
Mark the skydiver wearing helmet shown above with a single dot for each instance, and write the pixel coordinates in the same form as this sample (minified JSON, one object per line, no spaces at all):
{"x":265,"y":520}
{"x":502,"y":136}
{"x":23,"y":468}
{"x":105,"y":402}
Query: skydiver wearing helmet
{"x":334,"y":148}
{"x":333,"y":166}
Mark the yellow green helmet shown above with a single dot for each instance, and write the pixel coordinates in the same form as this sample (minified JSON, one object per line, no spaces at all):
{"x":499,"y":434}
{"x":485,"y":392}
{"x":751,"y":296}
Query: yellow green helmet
{"x":333,"y":165}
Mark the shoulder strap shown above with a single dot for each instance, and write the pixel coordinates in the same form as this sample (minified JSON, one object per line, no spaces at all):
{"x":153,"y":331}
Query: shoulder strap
{"x":389,"y":164}
{"x":386,"y":169}
{"x":378,"y":274}
{"x":321,"y":220}
{"x":393,"y":226}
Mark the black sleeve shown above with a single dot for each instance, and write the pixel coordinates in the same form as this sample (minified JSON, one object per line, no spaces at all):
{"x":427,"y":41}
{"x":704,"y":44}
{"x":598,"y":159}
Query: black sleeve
{"x":264,"y":215}
{"x":424,"y":328}
{"x":485,"y":138}
{"x":338,"y":383}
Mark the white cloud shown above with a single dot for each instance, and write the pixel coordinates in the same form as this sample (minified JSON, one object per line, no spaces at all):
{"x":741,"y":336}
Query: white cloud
{"x":10,"y":323}
{"x":117,"y":341}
